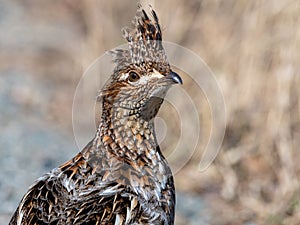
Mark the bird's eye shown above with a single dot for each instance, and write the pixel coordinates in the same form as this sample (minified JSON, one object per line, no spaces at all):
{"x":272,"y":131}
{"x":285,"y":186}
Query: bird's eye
{"x":133,"y":76}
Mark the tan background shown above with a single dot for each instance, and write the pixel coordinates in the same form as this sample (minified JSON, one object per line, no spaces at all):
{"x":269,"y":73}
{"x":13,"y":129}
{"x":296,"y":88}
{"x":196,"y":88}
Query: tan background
{"x":251,"y":46}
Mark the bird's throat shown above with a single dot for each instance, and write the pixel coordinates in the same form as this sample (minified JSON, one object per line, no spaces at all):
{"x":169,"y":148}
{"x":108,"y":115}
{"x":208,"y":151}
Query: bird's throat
{"x":131,"y":132}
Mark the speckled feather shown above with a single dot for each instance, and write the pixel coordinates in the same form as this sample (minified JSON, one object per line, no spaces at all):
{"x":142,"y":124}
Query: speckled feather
{"x":145,"y":45}
{"x":121,"y":176}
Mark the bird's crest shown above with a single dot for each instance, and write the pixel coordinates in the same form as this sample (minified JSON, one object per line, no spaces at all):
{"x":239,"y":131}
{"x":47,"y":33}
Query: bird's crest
{"x":145,"y":44}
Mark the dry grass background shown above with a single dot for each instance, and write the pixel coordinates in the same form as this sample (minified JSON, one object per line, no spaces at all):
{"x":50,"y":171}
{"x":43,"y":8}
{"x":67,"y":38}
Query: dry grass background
{"x":251,"y":46}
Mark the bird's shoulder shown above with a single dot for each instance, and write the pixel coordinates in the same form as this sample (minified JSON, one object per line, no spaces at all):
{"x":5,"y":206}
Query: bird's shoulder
{"x":73,"y":193}
{"x":94,"y":188}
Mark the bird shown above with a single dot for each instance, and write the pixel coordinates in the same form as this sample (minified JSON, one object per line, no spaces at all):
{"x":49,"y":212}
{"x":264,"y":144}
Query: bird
{"x":121,"y":176}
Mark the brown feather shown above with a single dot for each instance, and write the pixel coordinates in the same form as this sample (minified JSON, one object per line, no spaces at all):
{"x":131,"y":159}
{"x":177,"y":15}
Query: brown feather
{"x":120,"y":177}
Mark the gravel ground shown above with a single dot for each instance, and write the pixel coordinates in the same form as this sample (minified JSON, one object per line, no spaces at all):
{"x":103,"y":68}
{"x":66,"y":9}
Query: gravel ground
{"x":29,"y":145}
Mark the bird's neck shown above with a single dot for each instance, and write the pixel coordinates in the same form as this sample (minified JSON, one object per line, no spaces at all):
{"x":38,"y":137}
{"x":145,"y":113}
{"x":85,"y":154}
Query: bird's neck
{"x":125,"y":151}
{"x":132,"y":134}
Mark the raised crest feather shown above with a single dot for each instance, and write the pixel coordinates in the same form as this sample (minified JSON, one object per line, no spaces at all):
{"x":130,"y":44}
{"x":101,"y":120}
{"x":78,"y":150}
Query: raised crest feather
{"x":144,"y":44}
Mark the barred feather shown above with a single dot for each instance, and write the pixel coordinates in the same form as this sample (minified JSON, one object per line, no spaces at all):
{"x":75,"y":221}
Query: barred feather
{"x":144,"y":43}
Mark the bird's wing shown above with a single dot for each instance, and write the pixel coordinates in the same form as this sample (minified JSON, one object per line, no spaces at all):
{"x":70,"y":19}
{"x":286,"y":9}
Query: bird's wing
{"x":46,"y":203}
{"x":75,"y":193}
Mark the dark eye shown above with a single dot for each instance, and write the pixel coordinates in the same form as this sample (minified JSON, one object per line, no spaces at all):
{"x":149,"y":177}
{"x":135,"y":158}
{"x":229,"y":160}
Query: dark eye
{"x":133,"y":76}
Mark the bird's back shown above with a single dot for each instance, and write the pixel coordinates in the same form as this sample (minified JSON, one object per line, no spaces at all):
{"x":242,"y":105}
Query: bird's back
{"x":101,"y":190}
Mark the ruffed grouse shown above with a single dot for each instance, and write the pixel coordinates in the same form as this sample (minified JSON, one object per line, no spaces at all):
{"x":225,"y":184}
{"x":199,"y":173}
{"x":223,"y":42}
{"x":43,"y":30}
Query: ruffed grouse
{"x":121,"y":176}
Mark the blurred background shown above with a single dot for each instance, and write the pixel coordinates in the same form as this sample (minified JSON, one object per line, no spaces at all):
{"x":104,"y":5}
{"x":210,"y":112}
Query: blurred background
{"x":251,"y":46}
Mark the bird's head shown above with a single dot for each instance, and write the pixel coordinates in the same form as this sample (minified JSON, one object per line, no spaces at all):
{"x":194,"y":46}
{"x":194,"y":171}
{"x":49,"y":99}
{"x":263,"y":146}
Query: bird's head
{"x":142,"y":74}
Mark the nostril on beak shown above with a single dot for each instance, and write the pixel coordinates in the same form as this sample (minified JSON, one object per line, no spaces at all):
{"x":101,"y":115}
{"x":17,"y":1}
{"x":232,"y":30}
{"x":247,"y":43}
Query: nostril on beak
{"x":175,"y":77}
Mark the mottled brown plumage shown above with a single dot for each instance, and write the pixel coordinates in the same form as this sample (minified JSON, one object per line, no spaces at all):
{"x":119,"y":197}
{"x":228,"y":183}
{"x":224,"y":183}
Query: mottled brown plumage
{"x":121,"y":176}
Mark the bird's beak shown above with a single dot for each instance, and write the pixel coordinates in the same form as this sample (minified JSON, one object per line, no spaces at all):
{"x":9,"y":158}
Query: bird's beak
{"x":174,"y":77}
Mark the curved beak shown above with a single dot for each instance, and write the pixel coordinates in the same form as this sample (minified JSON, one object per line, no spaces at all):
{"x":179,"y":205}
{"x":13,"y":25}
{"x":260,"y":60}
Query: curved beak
{"x":174,"y":77}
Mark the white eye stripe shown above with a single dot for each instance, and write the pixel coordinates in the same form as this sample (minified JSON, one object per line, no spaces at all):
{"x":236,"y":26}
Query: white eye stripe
{"x":144,"y":79}
{"x":156,"y":74}
{"x":124,"y":76}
